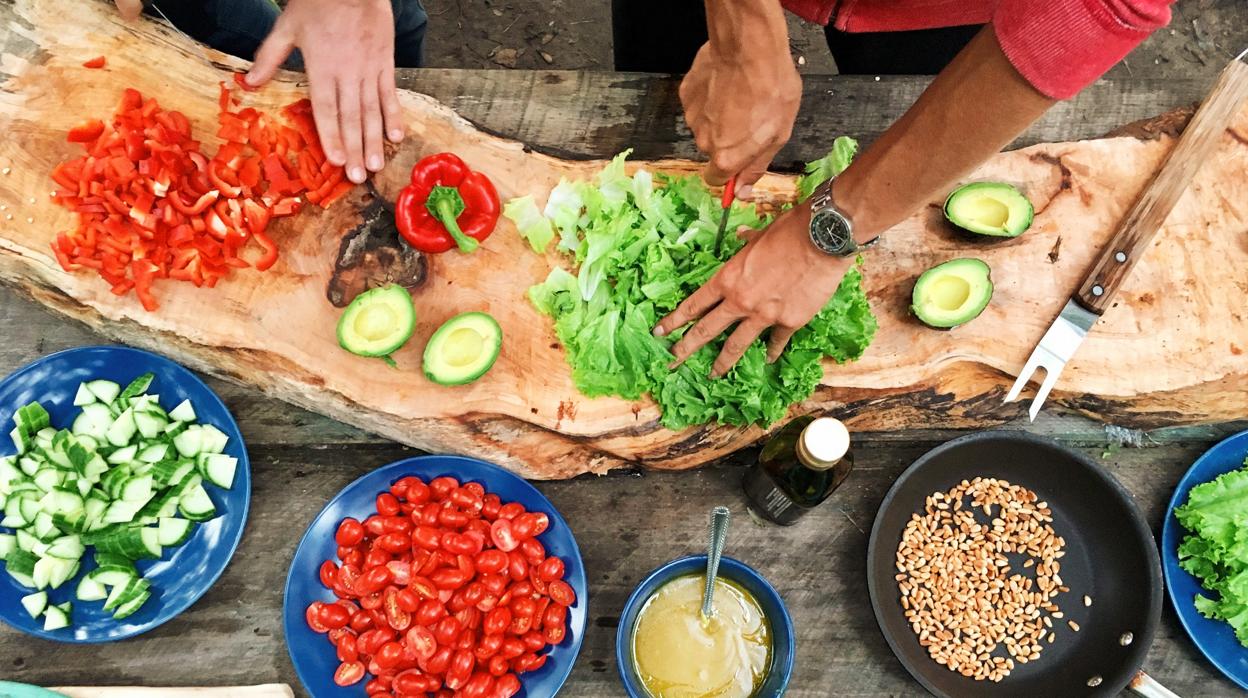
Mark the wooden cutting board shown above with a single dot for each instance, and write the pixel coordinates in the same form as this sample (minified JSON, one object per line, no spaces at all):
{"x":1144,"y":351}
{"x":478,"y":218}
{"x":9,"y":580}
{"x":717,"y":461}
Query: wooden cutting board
{"x":1171,"y":352}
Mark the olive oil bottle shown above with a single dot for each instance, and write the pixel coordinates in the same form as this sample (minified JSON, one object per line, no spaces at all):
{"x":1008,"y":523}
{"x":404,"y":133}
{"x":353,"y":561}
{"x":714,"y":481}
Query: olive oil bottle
{"x":798,"y":468}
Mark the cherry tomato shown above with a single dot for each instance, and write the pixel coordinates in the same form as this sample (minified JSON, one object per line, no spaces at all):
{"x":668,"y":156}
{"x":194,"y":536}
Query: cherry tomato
{"x":490,"y":504}
{"x":423,"y":588}
{"x":522,"y":588}
{"x":551,"y":569}
{"x":427,"y":537}
{"x":464,"y":563}
{"x":349,"y":673}
{"x":460,"y":670}
{"x":523,"y":526}
{"x":520,"y":624}
{"x":491,"y":561}
{"x":397,"y":524}
{"x":534,"y":641}
{"x":541,"y":522}
{"x":375,"y":525}
{"x":488,"y":646}
{"x":429,"y":515}
{"x":517,"y":566}
{"x":447,"y":630}
{"x":389,"y":655}
{"x":499,"y":665}
{"x":561,"y":593}
{"x":353,"y":557}
{"x":539,"y":585}
{"x":555,"y":633}
{"x":418,"y":492}
{"x":375,"y":558}
{"x":494,"y":583}
{"x":453,"y":518}
{"x":333,"y":616}
{"x":410,"y":683}
{"x":469,"y":502}
{"x":503,"y":536}
{"x":398,"y":618}
{"x":422,"y":641}
{"x":507,"y":686}
{"x":442,"y":486}
{"x":457,"y":544}
{"x":479,"y":686}
{"x":438,"y":662}
{"x":376,"y":687}
{"x":313,"y":617}
{"x":361,"y":622}
{"x":372,"y":601}
{"x":555,"y":615}
{"x":477,"y":537}
{"x":347,"y":651}
{"x":374,"y":580}
{"x":448,"y":578}
{"x":533,"y":550}
{"x":328,"y":574}
{"x":430,"y":612}
{"x":350,"y":533}
{"x":510,"y":510}
{"x":476,"y":488}
{"x":387,"y":504}
{"x":400,"y":571}
{"x":512,"y":648}
{"x":394,"y":542}
{"x":369,"y":642}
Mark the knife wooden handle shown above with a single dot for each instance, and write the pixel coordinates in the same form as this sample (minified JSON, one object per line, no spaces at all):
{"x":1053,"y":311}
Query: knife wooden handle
{"x":273,"y":690}
{"x":1137,"y":229}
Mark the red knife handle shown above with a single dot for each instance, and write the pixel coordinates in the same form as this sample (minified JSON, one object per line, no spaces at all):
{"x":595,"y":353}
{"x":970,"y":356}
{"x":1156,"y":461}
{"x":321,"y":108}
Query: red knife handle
{"x":729,"y":189}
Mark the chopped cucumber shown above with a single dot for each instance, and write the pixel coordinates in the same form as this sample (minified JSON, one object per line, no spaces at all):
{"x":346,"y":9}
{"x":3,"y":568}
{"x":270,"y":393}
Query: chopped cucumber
{"x":137,"y":387}
{"x":123,"y":455}
{"x":84,"y":396}
{"x":184,"y":412}
{"x":35,"y":603}
{"x":94,"y":421}
{"x":105,"y":391}
{"x":196,"y":505}
{"x":214,"y":439}
{"x":122,"y":429}
{"x":89,"y":589}
{"x":112,"y":576}
{"x":55,"y":618}
{"x":190,"y":442}
{"x":8,"y":543}
{"x":171,"y":532}
{"x":218,"y":469}
{"x":126,"y":608}
{"x":154,"y":453}
{"x":149,"y":425}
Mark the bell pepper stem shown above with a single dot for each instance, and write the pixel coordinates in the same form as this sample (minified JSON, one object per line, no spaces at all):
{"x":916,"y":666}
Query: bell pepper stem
{"x":445,"y":204}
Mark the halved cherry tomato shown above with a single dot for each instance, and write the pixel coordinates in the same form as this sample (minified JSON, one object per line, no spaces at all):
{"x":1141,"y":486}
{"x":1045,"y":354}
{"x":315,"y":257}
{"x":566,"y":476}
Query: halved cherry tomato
{"x":389,"y":655}
{"x":333,"y":616}
{"x":561,"y":593}
{"x":510,"y":510}
{"x":347,"y":650}
{"x":374,"y":580}
{"x":551,"y":569}
{"x":398,"y":618}
{"x":313,"y":617}
{"x":350,"y":533}
{"x":329,"y":574}
{"x":503,"y":536}
{"x":349,"y":673}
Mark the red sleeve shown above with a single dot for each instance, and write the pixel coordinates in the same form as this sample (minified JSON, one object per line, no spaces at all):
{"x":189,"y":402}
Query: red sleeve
{"x":1062,"y":46}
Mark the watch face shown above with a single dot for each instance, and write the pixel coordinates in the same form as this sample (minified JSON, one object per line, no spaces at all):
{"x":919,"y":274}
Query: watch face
{"x":831,"y":232}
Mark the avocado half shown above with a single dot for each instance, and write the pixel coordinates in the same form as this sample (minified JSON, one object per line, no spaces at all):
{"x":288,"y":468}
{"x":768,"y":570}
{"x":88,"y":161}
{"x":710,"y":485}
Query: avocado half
{"x":953,"y":293}
{"x":994,"y":209}
{"x":463,"y":349}
{"x":377,"y":322}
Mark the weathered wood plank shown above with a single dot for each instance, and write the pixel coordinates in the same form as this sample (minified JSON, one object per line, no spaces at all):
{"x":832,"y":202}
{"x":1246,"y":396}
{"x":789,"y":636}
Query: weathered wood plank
{"x":625,"y":527}
{"x":588,"y":115}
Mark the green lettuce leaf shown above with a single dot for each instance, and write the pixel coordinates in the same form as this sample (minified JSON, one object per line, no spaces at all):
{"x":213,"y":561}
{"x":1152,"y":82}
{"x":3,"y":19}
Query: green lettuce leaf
{"x":533,"y":226}
{"x":827,"y":167}
{"x":640,"y":245}
{"x":1216,"y":549}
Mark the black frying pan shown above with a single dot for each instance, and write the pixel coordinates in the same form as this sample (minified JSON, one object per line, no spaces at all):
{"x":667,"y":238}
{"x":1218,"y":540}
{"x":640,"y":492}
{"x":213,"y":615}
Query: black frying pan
{"x":1110,"y":556}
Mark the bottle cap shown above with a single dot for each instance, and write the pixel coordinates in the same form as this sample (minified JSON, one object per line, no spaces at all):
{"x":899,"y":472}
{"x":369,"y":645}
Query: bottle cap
{"x":824,"y":442}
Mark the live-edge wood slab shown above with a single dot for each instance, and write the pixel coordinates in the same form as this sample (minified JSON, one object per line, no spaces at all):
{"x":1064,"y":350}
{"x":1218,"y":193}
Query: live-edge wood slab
{"x":1171,"y":353}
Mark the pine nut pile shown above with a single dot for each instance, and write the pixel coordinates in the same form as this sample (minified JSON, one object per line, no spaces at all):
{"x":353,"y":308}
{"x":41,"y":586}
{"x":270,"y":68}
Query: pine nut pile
{"x":959,"y":593}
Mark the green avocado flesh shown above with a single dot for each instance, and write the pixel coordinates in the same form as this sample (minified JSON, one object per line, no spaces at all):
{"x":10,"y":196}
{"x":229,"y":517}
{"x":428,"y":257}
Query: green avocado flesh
{"x":953,"y":293}
{"x":377,"y":322}
{"x":463,"y":349}
{"x":989,"y":208}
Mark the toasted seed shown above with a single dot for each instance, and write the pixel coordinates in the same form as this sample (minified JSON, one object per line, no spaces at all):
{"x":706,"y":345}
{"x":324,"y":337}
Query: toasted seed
{"x":1073,"y":625}
{"x":1087,"y":600}
{"x":1126,"y":638}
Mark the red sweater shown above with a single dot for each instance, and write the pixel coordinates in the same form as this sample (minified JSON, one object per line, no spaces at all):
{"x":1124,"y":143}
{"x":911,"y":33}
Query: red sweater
{"x":1059,"y":46}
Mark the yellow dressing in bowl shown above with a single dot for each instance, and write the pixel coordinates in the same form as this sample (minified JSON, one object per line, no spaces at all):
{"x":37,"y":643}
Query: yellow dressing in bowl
{"x":679,"y":654}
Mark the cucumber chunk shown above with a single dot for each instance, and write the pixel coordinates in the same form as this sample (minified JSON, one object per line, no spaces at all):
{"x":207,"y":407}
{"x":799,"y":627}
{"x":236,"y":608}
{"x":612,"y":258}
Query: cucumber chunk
{"x":219,"y":468}
{"x":84,"y":396}
{"x":54,"y":618}
{"x":184,"y":412}
{"x":190,"y":442}
{"x":171,"y":532}
{"x":89,"y":589}
{"x":138,"y":386}
{"x":127,"y":608}
{"x":35,"y":603}
{"x":196,"y":505}
{"x":104,"y":391}
{"x":8,"y":543}
{"x":122,"y":429}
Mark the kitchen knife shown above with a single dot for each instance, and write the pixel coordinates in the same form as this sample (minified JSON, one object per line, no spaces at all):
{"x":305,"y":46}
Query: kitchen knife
{"x":198,"y":49}
{"x":1134,"y":233}
{"x":726,"y":201}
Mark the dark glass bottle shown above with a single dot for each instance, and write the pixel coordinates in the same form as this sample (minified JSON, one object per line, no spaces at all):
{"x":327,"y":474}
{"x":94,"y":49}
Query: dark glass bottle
{"x":798,"y":468}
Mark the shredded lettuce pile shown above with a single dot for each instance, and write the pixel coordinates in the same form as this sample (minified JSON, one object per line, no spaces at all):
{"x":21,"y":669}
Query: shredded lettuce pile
{"x":643,"y":243}
{"x":1216,"y":550}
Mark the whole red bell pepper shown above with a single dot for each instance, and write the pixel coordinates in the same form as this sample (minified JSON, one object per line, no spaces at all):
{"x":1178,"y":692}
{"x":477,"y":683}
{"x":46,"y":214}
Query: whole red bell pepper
{"x":446,"y":205}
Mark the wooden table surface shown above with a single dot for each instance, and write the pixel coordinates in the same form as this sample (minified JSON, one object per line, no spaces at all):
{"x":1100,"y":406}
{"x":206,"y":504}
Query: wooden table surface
{"x":628,"y":523}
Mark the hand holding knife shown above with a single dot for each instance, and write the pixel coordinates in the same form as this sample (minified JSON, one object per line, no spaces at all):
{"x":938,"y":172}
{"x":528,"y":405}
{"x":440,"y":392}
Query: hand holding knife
{"x":725,"y":200}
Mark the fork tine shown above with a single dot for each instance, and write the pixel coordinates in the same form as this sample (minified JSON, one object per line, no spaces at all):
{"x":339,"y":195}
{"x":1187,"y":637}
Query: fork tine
{"x":1033,"y":362}
{"x":1050,"y":379}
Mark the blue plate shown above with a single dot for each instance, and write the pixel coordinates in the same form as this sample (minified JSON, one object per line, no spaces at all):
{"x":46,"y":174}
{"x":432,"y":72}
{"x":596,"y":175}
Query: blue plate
{"x":184,"y":573}
{"x":1215,"y":638}
{"x":8,"y":689}
{"x":314,"y":657}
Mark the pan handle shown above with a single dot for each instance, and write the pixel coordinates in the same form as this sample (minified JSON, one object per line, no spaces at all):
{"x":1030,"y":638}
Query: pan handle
{"x":1147,"y":686}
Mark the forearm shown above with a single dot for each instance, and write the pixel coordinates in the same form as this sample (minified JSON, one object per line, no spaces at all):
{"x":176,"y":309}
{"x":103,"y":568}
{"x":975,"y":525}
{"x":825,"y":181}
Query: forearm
{"x":973,"y":109}
{"x":744,"y":28}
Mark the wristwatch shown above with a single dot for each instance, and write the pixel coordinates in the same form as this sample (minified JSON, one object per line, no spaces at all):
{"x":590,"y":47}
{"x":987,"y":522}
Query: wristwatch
{"x":831,"y":230}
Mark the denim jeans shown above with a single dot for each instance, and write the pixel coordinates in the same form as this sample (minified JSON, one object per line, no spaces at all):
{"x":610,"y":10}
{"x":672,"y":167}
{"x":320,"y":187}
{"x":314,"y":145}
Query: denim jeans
{"x":238,"y":27}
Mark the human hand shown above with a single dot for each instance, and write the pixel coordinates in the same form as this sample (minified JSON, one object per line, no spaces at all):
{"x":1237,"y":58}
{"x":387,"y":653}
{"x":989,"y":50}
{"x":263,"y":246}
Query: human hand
{"x":348,"y":51}
{"x":741,"y":107}
{"x":129,"y":9}
{"x":778,"y":280}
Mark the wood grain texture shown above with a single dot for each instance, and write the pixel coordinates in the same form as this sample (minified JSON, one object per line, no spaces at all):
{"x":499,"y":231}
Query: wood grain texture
{"x":275,"y":330}
{"x":1144,"y":219}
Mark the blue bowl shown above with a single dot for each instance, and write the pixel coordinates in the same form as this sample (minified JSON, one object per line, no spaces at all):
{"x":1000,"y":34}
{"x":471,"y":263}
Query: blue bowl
{"x":784,"y":645}
{"x":1214,"y":638}
{"x":312,"y":654}
{"x":184,"y":573}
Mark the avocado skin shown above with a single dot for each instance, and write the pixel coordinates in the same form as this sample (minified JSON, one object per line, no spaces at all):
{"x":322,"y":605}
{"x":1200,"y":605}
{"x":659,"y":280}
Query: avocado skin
{"x":1021,"y":212}
{"x":431,"y":362}
{"x":390,"y":293}
{"x":978,"y":276}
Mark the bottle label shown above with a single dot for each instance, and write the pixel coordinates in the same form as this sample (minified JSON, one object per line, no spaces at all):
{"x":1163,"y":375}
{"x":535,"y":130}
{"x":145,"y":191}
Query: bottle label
{"x":769,"y":500}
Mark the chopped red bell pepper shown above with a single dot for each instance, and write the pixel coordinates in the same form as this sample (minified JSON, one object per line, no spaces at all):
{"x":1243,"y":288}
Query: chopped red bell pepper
{"x":95,"y":63}
{"x":446,"y":205}
{"x":86,"y":132}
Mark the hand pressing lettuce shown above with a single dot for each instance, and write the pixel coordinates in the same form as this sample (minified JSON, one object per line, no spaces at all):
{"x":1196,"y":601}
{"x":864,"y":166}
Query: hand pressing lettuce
{"x":640,"y":245}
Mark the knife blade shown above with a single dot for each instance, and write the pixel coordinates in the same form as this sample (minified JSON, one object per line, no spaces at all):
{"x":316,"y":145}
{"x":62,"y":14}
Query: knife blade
{"x":725,"y":201}
{"x":1134,"y":233}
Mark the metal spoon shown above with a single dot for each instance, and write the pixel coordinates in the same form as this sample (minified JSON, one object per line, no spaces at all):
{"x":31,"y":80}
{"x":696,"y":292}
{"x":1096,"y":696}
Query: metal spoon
{"x":719,"y":532}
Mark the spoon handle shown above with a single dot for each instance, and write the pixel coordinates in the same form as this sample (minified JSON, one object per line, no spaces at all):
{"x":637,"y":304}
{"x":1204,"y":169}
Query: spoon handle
{"x":719,"y":532}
